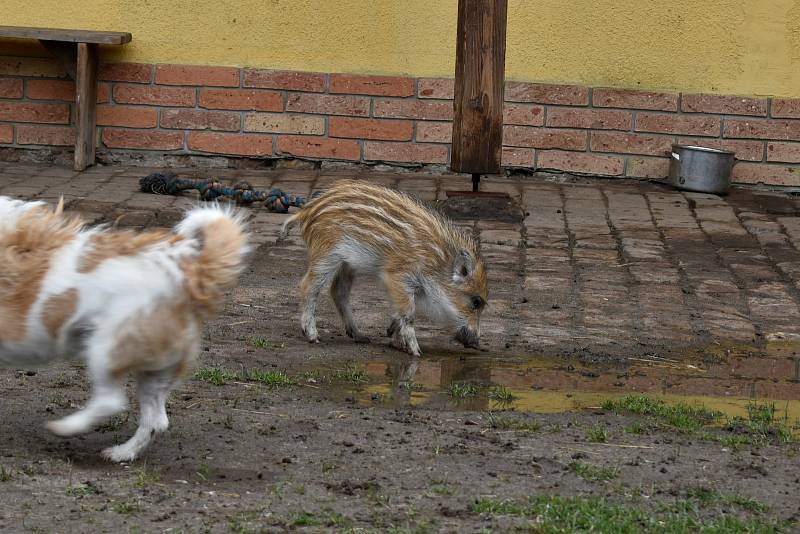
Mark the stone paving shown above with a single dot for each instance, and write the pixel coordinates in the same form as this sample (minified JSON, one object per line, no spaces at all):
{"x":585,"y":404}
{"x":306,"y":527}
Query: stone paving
{"x":606,"y":264}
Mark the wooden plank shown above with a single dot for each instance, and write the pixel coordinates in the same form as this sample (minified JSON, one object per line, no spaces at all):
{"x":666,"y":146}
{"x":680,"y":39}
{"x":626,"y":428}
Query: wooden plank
{"x":480,"y":72}
{"x":71,"y":36}
{"x":86,"y":104}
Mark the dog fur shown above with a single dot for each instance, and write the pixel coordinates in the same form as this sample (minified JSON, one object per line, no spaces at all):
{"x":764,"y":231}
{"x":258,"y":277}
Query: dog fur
{"x":125,"y":302}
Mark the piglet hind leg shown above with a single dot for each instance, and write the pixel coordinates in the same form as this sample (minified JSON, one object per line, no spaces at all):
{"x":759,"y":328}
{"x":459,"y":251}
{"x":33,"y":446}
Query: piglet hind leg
{"x":312,"y":284}
{"x":340,"y":292}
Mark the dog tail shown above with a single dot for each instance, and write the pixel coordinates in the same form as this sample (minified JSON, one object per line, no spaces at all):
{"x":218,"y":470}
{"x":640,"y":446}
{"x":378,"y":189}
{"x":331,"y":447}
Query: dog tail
{"x":220,"y":258}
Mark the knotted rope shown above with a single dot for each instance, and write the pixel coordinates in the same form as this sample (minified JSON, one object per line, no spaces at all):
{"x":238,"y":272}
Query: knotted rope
{"x":242,"y":193}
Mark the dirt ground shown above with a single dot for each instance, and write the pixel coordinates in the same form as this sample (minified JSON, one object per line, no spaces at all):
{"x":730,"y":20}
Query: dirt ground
{"x":273,"y":434}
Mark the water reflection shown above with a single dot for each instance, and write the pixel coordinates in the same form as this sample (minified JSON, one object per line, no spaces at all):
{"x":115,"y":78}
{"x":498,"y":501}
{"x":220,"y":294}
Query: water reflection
{"x":723,"y":378}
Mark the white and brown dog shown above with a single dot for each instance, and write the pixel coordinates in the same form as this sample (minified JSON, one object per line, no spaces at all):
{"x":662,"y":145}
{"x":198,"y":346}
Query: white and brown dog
{"x":126,"y":302}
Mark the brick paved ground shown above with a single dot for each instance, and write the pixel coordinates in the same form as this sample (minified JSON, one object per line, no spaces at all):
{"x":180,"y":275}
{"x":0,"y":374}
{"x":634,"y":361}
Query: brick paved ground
{"x":606,"y":265}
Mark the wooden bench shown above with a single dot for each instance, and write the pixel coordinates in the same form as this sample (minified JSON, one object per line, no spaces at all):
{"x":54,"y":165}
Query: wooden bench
{"x":77,"y":49}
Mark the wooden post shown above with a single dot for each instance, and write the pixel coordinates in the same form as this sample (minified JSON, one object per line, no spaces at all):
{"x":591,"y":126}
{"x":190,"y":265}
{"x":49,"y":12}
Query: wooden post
{"x":86,"y":98}
{"x":480,"y":75}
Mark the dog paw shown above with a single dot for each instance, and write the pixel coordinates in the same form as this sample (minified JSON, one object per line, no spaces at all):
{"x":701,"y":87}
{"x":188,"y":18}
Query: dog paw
{"x":361,"y":339}
{"x":66,"y":427}
{"x":118,"y":454}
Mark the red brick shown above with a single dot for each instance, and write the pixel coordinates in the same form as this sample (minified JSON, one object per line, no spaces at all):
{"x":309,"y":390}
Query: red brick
{"x":442,"y":88}
{"x":125,"y":72}
{"x":745,"y":150}
{"x":648,"y":168}
{"x":10,"y":88}
{"x":28,"y":134}
{"x":784,"y":130}
{"x":545,"y":138}
{"x":313,"y":82}
{"x":581,"y":162}
{"x":197,"y":75}
{"x":595,"y":119}
{"x":630,"y":143}
{"x":372,"y":85}
{"x":380,"y":129}
{"x":786,"y":108}
{"x":314,"y":147}
{"x":241,"y":99}
{"x":144,"y":139}
{"x":60,"y":90}
{"x":235,"y":144}
{"x":290,"y":123}
{"x":517,"y":157}
{"x":413,"y":109}
{"x":405,"y":152}
{"x":157,"y":96}
{"x":434,"y":132}
{"x":192,"y":119}
{"x":6,"y":133}
{"x":564,"y":95}
{"x":328,"y":104}
{"x":783,"y":152}
{"x":753,"y":173}
{"x":34,"y":112}
{"x":678,"y":124}
{"x":629,"y":98}
{"x":725,"y":105}
{"x":523,"y":114}
{"x":127,"y":116}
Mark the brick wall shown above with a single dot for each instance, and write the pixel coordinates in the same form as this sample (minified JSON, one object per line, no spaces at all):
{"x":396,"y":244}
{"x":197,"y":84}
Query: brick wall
{"x":277,"y":114}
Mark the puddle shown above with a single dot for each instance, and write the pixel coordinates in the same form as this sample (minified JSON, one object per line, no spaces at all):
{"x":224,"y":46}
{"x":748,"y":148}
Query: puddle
{"x":721,"y":378}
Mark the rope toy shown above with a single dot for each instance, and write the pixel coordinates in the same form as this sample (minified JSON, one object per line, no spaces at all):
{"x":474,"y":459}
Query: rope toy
{"x":241,"y":192}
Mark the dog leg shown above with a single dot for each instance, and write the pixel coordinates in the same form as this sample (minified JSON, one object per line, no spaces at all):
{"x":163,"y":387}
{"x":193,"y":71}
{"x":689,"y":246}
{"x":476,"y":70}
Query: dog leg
{"x":153,"y":390}
{"x":107,"y":397}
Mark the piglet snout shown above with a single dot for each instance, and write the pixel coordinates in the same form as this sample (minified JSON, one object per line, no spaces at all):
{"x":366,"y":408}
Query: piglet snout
{"x":468,"y":337}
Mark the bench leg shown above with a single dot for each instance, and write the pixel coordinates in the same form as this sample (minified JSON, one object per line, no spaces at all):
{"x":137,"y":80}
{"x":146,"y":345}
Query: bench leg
{"x":86,"y":98}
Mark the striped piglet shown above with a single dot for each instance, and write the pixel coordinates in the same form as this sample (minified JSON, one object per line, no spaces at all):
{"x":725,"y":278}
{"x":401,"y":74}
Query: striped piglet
{"x":423,"y":260}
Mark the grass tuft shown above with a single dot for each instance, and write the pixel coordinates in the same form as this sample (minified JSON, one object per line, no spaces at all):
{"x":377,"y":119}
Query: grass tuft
{"x":679,"y":416}
{"x":597,"y":434}
{"x":504,"y":422}
{"x":459,"y":390}
{"x":351,"y":373}
{"x":593,"y":473}
{"x":501,"y":395}
{"x":270,"y":378}
{"x":215,"y":375}
{"x":561,"y":515}
{"x":264,"y":343}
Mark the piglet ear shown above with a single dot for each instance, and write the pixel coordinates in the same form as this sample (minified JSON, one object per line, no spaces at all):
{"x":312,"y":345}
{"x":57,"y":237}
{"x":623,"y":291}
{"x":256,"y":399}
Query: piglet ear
{"x":463,"y":266}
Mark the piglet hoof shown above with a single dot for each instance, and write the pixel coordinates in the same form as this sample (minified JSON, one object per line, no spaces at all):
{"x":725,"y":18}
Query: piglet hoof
{"x":357,"y":336}
{"x":311,"y":338}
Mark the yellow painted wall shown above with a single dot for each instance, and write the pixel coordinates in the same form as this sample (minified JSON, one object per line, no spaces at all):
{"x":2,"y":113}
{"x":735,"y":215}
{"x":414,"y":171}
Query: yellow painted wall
{"x":721,"y":46}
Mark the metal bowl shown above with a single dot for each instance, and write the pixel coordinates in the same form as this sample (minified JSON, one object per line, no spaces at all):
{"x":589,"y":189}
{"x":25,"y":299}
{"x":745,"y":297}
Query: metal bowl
{"x":700,"y":169}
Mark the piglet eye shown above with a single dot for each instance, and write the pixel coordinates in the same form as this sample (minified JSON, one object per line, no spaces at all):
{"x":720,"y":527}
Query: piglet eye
{"x":477,"y":303}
